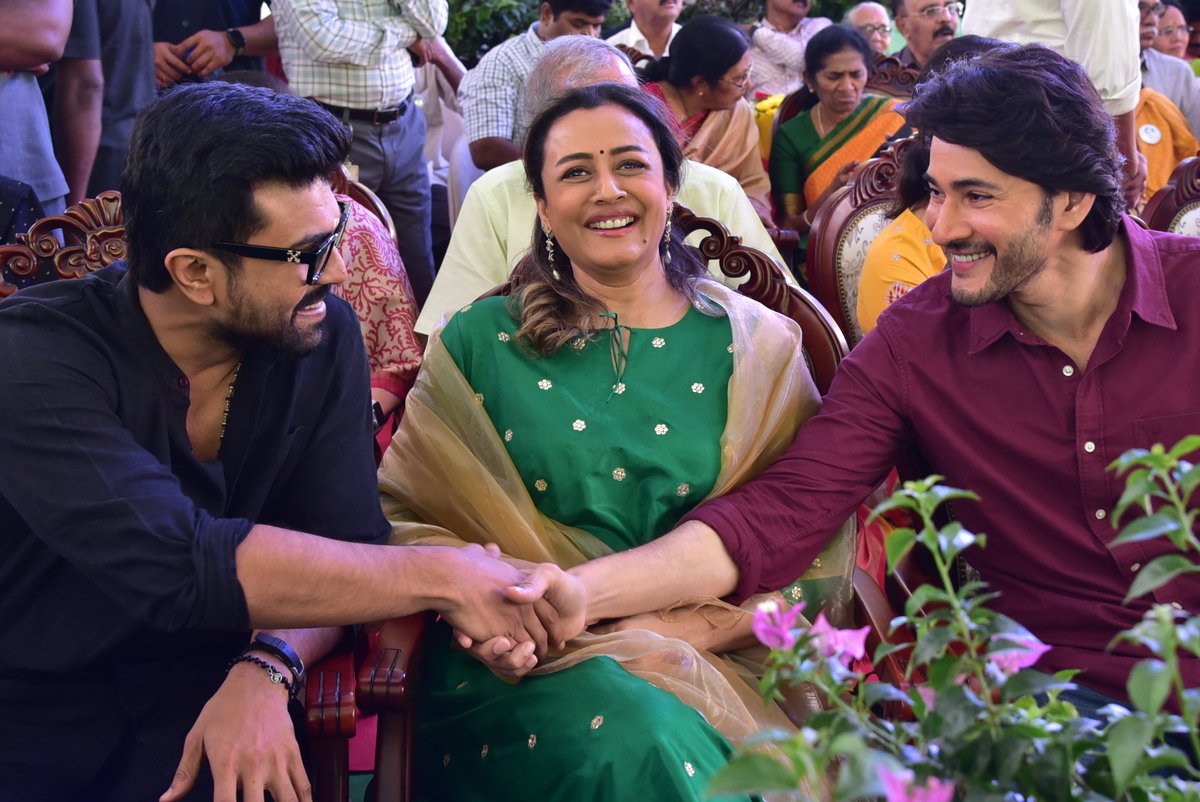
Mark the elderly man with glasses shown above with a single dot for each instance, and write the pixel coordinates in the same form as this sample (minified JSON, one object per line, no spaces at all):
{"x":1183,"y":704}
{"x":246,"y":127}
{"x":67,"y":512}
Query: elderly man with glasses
{"x":1165,"y":74}
{"x":926,"y":25}
{"x":871,"y":20}
{"x":1100,"y":35}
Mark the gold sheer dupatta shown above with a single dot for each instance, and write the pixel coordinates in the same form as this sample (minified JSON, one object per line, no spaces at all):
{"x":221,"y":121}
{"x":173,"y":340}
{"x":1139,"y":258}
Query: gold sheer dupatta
{"x":447,"y":464}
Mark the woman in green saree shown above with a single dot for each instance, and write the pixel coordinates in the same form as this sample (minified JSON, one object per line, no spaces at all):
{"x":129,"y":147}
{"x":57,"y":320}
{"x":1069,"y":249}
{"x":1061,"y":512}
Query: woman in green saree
{"x":613,"y":390}
{"x":815,"y":152}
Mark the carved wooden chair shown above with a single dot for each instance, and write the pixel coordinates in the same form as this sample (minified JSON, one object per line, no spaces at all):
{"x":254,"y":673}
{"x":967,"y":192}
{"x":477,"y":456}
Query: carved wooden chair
{"x":361,"y":194}
{"x":1176,"y":206}
{"x":889,"y":77}
{"x":84,"y":238}
{"x":842,"y":232}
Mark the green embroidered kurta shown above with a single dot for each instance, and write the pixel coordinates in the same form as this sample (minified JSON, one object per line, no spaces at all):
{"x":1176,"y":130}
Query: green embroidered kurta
{"x":622,"y":454}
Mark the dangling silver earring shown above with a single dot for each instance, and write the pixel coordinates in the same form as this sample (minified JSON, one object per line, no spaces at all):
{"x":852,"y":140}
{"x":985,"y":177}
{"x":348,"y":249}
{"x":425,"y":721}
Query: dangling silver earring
{"x":667,"y":242}
{"x":549,"y":245}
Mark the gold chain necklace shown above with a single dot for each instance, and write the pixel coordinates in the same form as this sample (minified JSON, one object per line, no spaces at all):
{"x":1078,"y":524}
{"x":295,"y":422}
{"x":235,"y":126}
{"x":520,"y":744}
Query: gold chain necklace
{"x":228,"y":399}
{"x":819,"y":120}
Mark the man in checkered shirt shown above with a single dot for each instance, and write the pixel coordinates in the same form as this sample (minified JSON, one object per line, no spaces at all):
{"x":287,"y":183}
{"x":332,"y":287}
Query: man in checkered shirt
{"x":491,"y":95}
{"x":350,"y":57}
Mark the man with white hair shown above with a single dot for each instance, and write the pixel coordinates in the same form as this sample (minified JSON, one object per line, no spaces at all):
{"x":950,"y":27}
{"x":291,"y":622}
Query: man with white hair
{"x":871,"y":20}
{"x":496,"y":223}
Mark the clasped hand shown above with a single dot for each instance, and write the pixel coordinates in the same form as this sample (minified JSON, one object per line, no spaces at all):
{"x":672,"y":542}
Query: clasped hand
{"x":512,"y":611}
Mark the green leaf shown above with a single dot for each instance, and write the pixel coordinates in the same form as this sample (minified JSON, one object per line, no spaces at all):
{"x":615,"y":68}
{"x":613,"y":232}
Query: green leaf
{"x":921,"y":597}
{"x":1188,"y":480}
{"x":1159,"y":572}
{"x":898,"y":544}
{"x":1138,"y":485}
{"x":953,"y":539}
{"x":1028,"y":682}
{"x":876,"y":692}
{"x":932,"y":644}
{"x":751,"y":772}
{"x":1147,"y":527}
{"x":1185,"y":446}
{"x":1127,"y":740}
{"x":894,"y":502}
{"x":1133,"y":456}
{"x":1149,"y":683}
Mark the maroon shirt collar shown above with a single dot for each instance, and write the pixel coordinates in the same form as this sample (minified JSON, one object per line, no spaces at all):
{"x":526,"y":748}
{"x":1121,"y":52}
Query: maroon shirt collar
{"x":1144,"y":293}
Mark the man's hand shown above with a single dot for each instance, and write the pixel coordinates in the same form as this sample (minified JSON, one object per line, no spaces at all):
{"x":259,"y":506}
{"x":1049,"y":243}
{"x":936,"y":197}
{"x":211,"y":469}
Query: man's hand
{"x":209,"y":51}
{"x":478,"y":607}
{"x":1135,"y":181}
{"x":168,"y":66}
{"x":421,"y":50}
{"x":247,"y":736}
{"x":559,"y":599}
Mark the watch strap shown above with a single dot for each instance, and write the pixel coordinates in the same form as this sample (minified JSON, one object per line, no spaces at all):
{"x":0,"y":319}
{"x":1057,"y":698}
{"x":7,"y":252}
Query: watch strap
{"x":237,"y":39}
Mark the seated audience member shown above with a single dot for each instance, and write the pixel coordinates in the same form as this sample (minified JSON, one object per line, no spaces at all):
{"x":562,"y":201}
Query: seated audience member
{"x":1100,"y":35}
{"x":577,"y":420}
{"x":651,"y":28}
{"x":209,"y":404}
{"x":1164,"y":138}
{"x":815,"y":152}
{"x":904,"y":254}
{"x":1008,"y":384}
{"x":1165,"y":74}
{"x":197,"y":38}
{"x":19,"y":209}
{"x":1172,"y":36}
{"x":491,"y":94}
{"x":925,"y":25}
{"x":33,"y":34}
{"x":702,"y":82}
{"x":777,"y":45}
{"x":492,"y":233}
{"x":871,"y":20}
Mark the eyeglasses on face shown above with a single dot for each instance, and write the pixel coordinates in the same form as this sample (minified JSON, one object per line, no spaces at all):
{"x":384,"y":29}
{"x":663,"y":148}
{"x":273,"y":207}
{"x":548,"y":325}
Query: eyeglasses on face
{"x":316,"y":259}
{"x":935,"y":11}
{"x":1157,"y":9}
{"x":741,"y":81}
{"x":871,"y":30}
{"x":1171,"y":30}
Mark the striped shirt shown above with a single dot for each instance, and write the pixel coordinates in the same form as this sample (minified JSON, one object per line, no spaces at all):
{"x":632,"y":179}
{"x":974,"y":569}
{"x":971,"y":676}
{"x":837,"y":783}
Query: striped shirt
{"x":352,"y":52}
{"x":492,"y":96}
{"x":777,"y":57}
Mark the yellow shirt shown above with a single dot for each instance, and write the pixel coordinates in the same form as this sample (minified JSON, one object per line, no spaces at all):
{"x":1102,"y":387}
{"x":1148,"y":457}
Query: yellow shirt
{"x":1163,"y":137}
{"x":900,"y":258}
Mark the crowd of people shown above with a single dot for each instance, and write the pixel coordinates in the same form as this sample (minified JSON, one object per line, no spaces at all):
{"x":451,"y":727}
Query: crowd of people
{"x":534,"y":408}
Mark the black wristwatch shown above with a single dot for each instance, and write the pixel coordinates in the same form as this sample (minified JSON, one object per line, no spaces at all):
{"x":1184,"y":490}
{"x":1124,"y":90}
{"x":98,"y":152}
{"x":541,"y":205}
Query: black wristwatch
{"x":279,"y":648}
{"x":378,"y":415}
{"x":237,"y":39}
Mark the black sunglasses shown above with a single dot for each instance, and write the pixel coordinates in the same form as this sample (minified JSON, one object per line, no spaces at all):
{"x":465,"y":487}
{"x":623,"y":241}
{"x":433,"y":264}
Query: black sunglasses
{"x":316,"y":259}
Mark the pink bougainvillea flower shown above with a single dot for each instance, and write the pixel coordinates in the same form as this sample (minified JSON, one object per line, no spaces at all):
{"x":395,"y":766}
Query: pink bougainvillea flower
{"x":845,"y":644}
{"x":928,"y":696}
{"x":899,"y":787}
{"x":1015,"y":653}
{"x":773,"y":626}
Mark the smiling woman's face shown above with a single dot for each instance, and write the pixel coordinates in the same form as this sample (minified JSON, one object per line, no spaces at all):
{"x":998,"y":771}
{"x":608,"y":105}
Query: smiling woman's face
{"x":606,"y":196}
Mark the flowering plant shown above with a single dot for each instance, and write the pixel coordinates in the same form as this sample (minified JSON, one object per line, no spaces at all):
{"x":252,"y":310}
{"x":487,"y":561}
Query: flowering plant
{"x":976,"y":721}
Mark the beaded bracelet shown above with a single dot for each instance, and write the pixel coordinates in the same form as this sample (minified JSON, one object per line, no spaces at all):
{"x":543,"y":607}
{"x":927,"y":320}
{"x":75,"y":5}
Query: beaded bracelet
{"x":275,"y":675}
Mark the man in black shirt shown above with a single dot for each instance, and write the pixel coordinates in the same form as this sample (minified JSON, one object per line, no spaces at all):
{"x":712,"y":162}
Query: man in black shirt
{"x":172,"y":428}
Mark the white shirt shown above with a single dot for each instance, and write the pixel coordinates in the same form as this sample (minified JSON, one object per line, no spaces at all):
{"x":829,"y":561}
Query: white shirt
{"x":1101,"y":35}
{"x":633,"y":37}
{"x":495,"y":227}
{"x":778,"y":56}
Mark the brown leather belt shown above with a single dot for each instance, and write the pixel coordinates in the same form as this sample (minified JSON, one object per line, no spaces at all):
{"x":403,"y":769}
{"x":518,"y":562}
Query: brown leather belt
{"x":376,"y":117}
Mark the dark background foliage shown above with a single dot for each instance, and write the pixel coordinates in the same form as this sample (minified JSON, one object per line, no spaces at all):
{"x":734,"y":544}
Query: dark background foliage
{"x":476,"y":26}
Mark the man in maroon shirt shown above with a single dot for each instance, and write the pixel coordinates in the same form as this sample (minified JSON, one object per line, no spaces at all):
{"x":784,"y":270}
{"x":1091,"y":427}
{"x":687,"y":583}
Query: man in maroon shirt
{"x":1061,"y":335}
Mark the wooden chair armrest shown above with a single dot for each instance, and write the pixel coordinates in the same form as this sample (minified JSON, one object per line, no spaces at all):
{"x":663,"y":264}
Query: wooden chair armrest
{"x":329,"y":695}
{"x":383,"y":676}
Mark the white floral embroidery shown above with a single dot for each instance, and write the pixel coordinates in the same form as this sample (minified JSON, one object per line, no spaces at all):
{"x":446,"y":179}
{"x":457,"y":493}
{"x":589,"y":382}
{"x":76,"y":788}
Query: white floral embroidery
{"x":683,"y":490}
{"x":697,"y":387}
{"x":658,"y":342}
{"x":479,"y":397}
{"x":541,"y":485}
{"x":483,"y":752}
{"x":532,"y":740}
{"x":579,"y":425}
{"x":619,"y":388}
{"x":508,"y":435}
{"x":730,"y":348}
{"x":619,"y":474}
{"x":466,"y":308}
{"x":503,"y":336}
{"x":661,"y":429}
{"x":578,"y":343}
{"x":545,"y":384}
{"x":689,"y":768}
{"x":597,"y":722}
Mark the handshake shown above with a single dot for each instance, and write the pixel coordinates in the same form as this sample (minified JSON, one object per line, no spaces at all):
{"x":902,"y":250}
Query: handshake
{"x":508,"y":613}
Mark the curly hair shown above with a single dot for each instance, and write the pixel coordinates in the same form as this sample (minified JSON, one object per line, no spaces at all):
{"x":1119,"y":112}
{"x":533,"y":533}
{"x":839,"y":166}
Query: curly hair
{"x":551,"y":306}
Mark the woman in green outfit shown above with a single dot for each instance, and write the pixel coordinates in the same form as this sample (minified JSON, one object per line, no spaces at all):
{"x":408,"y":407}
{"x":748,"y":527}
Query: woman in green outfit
{"x":614,"y":389}
{"x":814,"y":153}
